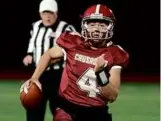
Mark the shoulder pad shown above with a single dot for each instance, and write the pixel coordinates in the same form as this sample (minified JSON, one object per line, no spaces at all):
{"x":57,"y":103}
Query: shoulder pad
{"x":75,"y":33}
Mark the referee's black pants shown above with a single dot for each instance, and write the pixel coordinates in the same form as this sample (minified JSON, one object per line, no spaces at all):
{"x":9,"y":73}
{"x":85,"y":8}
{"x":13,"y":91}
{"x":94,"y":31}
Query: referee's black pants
{"x":50,"y":81}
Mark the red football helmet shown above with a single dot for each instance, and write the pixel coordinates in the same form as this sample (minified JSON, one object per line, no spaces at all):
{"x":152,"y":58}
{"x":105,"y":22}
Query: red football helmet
{"x":98,"y":13}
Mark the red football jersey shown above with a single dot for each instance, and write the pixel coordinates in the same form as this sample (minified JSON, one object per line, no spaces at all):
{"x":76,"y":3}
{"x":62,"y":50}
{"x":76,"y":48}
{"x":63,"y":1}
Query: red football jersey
{"x":78,"y":83}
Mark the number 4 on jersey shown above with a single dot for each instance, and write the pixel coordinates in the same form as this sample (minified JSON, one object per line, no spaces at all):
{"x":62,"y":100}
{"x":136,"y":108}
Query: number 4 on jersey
{"x":87,"y":82}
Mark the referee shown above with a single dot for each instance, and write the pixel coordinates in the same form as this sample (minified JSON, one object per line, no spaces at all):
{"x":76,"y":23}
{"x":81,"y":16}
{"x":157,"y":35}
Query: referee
{"x":43,"y":36}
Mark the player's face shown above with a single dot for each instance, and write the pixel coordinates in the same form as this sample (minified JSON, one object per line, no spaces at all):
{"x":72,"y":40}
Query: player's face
{"x":48,"y":18}
{"x":97,"y":31}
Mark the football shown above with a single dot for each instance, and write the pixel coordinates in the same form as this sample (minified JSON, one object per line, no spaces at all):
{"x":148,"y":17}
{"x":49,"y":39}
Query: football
{"x":30,"y":94}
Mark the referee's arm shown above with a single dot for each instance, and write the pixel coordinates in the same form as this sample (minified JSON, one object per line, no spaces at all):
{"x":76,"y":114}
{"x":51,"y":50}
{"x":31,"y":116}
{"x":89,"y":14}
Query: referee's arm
{"x":31,"y":44}
{"x":28,"y":59}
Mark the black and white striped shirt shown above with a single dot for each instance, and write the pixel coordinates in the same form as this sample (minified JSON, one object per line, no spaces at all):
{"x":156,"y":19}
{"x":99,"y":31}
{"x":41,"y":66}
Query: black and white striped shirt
{"x":43,"y":38}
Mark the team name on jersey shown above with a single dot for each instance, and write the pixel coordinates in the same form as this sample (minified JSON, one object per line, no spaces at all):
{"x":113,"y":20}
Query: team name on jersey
{"x":85,"y":59}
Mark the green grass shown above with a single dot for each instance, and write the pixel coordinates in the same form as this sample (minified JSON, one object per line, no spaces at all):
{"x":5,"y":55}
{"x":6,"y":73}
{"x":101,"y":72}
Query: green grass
{"x":136,"y":102}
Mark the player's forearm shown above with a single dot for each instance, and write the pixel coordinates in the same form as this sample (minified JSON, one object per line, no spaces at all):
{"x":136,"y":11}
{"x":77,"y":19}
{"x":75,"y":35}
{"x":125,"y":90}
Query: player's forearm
{"x":108,"y":83}
{"x":109,"y":92}
{"x":42,"y":65}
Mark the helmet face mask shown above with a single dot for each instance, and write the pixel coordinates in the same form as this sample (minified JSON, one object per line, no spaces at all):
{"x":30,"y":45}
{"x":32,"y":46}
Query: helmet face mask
{"x":97,"y":24}
{"x":97,"y":29}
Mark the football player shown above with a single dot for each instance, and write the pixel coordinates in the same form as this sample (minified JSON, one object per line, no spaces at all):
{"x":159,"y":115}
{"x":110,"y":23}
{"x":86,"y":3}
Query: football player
{"x":92,"y":74}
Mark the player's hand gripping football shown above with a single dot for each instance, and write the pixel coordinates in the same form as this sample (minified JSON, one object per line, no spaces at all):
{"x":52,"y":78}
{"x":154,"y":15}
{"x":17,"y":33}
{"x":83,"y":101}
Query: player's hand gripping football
{"x":36,"y":82}
{"x":31,"y":94}
{"x":25,"y":86}
{"x":100,"y":63}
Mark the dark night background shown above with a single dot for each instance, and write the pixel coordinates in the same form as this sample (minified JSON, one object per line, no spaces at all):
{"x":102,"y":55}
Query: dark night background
{"x":137,"y":30}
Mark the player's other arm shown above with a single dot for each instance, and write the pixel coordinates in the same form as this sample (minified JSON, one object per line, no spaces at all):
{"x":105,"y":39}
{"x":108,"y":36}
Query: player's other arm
{"x":51,"y":54}
{"x":110,"y":91}
{"x":109,"y":80}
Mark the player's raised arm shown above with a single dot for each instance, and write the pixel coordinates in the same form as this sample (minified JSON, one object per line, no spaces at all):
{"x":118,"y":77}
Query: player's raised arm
{"x":109,"y":80}
{"x":53,"y":53}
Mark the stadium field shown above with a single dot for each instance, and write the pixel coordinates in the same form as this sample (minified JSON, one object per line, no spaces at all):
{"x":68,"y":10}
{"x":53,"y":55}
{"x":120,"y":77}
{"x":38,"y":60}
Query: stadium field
{"x":136,"y":102}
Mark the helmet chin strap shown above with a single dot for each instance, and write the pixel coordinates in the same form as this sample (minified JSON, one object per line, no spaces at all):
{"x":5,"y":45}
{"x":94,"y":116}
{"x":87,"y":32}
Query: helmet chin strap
{"x":100,"y":44}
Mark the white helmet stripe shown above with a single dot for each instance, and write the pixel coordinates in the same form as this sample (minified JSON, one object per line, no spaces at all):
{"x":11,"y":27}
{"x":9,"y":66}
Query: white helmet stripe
{"x":97,"y":9}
